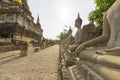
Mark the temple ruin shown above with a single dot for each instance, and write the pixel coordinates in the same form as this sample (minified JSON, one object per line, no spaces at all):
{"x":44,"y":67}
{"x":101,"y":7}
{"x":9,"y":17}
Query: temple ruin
{"x":17,"y":25}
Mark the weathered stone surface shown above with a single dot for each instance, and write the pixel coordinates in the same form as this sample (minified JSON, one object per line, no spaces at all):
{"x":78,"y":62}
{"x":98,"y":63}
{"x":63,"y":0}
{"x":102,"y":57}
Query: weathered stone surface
{"x":36,"y":49}
{"x":9,"y":47}
{"x":71,"y":46}
{"x":110,"y":29}
{"x":106,"y":72}
{"x":24,"y":50}
{"x":68,"y":37}
{"x":106,"y":61}
{"x":78,"y":35}
{"x":83,"y":72}
{"x":90,"y":31}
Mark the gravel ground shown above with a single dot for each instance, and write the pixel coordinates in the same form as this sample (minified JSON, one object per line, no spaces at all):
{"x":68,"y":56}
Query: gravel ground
{"x":41,"y":65}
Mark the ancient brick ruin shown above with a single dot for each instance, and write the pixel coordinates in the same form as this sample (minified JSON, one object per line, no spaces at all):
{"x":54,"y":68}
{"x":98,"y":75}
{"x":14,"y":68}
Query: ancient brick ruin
{"x":90,"y":31}
{"x":17,"y":25}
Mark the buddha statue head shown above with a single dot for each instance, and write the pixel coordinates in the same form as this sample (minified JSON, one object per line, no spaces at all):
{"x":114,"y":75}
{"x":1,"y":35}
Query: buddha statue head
{"x":78,"y":22}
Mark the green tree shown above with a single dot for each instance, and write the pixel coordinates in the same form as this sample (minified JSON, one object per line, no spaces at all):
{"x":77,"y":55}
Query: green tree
{"x":62,"y":35}
{"x":101,"y":7}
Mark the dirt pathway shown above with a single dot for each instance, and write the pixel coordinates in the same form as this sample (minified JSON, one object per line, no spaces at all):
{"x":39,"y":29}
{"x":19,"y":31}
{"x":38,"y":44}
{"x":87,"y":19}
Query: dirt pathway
{"x":41,"y":65}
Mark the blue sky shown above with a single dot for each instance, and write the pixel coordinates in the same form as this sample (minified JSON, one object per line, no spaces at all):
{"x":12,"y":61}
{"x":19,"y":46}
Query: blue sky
{"x":55,"y":14}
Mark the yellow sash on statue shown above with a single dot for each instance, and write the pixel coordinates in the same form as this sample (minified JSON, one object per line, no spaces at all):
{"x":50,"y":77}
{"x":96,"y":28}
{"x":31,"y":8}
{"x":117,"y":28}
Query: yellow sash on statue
{"x":18,"y":1}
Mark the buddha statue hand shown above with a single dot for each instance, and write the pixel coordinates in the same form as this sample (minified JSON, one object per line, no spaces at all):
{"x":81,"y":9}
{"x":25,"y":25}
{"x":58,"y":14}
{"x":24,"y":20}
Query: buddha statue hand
{"x":112,"y":49}
{"x":79,"y":49}
{"x":101,"y":52}
{"x":108,"y":51}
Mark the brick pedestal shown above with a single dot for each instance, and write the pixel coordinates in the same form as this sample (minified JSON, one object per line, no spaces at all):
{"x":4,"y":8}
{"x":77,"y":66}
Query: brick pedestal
{"x":24,"y":50}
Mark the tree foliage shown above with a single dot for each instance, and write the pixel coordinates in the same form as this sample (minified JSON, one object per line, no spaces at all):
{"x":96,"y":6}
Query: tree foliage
{"x":62,"y":35}
{"x":101,"y":7}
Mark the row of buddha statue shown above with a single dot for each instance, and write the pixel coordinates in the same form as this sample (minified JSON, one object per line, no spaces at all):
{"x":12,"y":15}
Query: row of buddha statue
{"x":103,"y":60}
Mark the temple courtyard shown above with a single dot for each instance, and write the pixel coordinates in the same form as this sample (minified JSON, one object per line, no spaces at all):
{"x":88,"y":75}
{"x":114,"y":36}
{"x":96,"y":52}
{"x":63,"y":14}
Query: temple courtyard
{"x":42,"y":65}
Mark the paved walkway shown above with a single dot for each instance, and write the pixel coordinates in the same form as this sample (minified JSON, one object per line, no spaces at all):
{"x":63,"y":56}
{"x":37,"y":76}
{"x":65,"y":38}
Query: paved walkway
{"x":41,"y":65}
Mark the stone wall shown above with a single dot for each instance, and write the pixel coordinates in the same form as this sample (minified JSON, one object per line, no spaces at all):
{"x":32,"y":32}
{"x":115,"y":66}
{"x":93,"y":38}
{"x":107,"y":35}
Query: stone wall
{"x":90,"y":31}
{"x":10,"y":47}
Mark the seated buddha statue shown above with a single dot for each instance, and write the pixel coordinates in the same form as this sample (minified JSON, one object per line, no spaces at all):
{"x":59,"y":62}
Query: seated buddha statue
{"x":104,"y":60}
{"x":78,"y":36}
{"x":110,"y":34}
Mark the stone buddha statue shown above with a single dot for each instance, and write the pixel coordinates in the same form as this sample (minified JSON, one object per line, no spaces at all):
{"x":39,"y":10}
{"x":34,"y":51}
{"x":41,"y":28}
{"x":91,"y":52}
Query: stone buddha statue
{"x":103,"y":60}
{"x":78,"y":36}
{"x":110,"y":34}
{"x":68,"y":37}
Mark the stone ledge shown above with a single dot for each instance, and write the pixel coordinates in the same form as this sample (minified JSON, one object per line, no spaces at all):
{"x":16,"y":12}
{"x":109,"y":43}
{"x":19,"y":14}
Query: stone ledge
{"x":83,"y":72}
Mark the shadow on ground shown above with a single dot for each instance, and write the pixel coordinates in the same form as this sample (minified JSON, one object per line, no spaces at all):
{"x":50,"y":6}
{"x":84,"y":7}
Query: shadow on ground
{"x":7,"y":60}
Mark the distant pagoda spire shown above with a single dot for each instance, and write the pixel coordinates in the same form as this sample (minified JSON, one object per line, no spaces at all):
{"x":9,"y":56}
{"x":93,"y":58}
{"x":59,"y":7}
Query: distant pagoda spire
{"x":78,"y":15}
{"x":38,"y":20}
{"x":18,"y":1}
